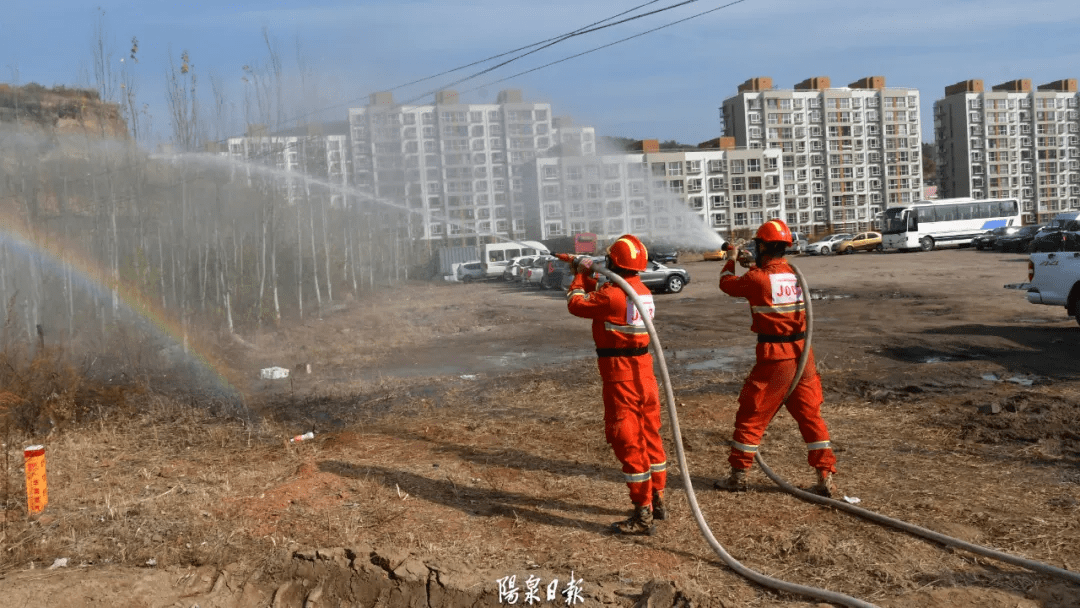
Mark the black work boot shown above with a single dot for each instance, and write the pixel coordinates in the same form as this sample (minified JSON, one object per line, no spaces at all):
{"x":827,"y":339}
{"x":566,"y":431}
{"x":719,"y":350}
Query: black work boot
{"x":659,"y":513}
{"x":640,"y":522}
{"x":735,"y":482}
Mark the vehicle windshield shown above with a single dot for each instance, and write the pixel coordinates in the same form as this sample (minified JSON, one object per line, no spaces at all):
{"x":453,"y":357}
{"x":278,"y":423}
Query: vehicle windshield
{"x":894,"y":221}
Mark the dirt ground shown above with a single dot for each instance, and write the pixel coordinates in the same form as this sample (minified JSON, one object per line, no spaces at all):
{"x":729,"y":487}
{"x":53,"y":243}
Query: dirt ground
{"x":459,"y":442}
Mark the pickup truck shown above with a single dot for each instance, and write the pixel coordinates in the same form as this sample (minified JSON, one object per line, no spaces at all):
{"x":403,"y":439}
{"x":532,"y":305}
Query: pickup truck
{"x":1054,"y":279}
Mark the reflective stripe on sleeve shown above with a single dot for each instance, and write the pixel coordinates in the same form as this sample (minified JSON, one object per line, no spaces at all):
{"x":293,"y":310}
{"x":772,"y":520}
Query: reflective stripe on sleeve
{"x":818,"y":445}
{"x":781,"y":309}
{"x":742,"y":447}
{"x":575,"y":292}
{"x":657,"y":468}
{"x":727,"y":273}
{"x":625,"y":329}
{"x":637,"y":477}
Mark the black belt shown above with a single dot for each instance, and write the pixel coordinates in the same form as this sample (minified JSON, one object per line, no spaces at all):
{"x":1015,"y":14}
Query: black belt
{"x":622,"y":352}
{"x":768,"y":339}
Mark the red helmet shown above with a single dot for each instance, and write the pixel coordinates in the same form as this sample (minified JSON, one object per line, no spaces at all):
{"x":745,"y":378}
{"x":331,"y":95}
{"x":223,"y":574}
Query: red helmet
{"x":628,"y":252}
{"x":774,"y":231}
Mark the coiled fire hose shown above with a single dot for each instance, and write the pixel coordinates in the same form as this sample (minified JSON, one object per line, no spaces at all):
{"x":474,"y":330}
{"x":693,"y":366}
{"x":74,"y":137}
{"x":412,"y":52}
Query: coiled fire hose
{"x":763,"y":579}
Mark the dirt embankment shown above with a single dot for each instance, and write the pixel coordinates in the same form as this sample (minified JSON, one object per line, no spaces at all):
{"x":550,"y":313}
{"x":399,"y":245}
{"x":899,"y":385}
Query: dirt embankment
{"x":61,"y":111}
{"x":458,"y":443}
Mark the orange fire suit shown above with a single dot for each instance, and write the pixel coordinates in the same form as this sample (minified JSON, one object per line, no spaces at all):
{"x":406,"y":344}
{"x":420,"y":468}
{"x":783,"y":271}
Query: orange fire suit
{"x":631,"y":396}
{"x":778,"y":314}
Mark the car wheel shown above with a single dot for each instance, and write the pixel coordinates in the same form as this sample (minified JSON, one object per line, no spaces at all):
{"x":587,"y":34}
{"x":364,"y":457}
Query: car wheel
{"x":849,"y":250}
{"x":824,"y":250}
{"x":978,"y":247}
{"x":467,"y":279}
{"x":675,"y":284}
{"x":879,"y":248}
{"x":926,"y":243}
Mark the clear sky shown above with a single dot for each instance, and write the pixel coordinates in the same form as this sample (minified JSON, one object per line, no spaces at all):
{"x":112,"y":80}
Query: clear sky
{"x":666,"y":85}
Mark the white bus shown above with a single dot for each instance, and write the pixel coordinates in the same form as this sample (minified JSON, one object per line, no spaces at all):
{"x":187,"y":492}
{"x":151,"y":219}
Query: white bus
{"x":953,"y":221}
{"x":496,"y":256}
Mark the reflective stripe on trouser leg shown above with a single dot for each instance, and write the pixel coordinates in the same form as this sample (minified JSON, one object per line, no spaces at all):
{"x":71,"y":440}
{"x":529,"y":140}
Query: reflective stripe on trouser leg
{"x":627,"y":430}
{"x":805,"y":407}
{"x":759,"y":401}
{"x":659,"y":476}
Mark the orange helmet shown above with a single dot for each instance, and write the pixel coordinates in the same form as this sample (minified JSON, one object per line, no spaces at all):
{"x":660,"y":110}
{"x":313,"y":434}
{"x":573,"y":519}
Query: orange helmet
{"x":774,"y":231}
{"x":628,"y":252}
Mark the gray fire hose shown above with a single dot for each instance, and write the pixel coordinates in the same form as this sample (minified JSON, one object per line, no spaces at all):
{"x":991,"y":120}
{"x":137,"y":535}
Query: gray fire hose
{"x":763,"y":579}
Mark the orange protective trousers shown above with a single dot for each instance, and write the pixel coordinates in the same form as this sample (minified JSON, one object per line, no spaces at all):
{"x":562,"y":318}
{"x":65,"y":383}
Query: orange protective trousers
{"x":759,"y":402}
{"x":632,"y":428}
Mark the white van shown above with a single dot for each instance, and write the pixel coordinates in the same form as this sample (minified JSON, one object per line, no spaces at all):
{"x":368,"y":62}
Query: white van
{"x":496,"y":256}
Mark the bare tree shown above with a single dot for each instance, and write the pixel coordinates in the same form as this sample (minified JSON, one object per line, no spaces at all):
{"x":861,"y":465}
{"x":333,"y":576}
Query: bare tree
{"x":180,"y":89}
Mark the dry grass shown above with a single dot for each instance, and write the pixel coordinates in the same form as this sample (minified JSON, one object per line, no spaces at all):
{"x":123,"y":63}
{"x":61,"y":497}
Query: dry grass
{"x":509,"y":474}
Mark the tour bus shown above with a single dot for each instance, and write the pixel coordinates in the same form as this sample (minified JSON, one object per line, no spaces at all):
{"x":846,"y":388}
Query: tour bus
{"x":496,"y":256}
{"x":954,"y":221}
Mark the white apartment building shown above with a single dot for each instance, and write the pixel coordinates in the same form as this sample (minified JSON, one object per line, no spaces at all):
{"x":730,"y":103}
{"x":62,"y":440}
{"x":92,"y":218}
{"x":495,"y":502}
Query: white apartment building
{"x":657,"y":195}
{"x":456,"y":166}
{"x":319,"y":151}
{"x":1011,"y":142}
{"x":846,"y":153}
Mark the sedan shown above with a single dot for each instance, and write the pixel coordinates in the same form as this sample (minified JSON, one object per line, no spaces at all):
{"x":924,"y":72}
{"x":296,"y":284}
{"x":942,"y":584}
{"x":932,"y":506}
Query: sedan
{"x":1017,"y":242}
{"x":864,"y":241}
{"x":825,"y":245}
{"x":987,"y":239}
{"x":660,"y":278}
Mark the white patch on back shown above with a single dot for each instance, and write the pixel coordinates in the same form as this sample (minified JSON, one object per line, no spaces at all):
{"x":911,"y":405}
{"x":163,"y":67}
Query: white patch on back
{"x":785,"y":288}
{"x":632,"y":316}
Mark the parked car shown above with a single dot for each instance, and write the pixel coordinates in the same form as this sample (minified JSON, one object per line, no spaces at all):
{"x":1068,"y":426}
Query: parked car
{"x":660,"y":278}
{"x":798,"y":244}
{"x":1054,"y":237}
{"x":467,"y":272}
{"x":517,"y":266}
{"x":1017,"y":241}
{"x":987,"y":239}
{"x":864,"y":241}
{"x":663,"y":254}
{"x":534,"y":274}
{"x":555,"y":274}
{"x":825,"y":245}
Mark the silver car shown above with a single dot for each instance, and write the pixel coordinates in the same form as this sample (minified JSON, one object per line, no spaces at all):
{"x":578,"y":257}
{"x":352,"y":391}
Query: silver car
{"x":825,"y":245}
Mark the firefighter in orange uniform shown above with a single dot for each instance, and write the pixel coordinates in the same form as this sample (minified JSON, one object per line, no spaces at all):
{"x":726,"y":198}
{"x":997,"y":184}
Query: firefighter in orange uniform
{"x":778,"y":314}
{"x":631,"y":396}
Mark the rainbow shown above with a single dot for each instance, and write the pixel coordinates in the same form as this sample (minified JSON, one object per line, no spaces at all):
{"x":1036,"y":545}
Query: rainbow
{"x":61,"y":258}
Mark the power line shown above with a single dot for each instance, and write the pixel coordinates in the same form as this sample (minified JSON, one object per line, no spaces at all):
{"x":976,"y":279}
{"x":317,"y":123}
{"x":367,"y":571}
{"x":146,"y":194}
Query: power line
{"x":528,"y":46}
{"x":586,"y":30}
{"x":606,"y":45}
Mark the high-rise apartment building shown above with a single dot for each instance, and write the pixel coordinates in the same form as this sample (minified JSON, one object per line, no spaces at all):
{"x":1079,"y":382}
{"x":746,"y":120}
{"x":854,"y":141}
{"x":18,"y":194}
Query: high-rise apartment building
{"x":1010,"y":142}
{"x":456,"y":166}
{"x":669,"y":195}
{"x":846,"y":152}
{"x":320,"y":151}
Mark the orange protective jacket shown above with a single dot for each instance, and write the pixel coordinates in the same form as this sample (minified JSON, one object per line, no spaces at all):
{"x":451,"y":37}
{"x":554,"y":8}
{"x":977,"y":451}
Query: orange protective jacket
{"x":777,"y":308}
{"x":622,"y":342}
